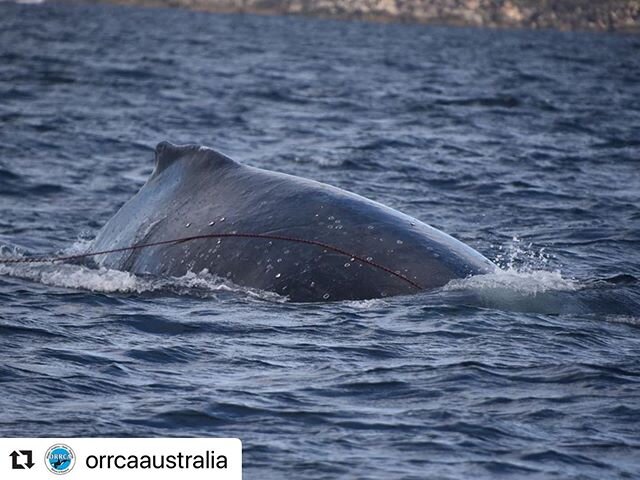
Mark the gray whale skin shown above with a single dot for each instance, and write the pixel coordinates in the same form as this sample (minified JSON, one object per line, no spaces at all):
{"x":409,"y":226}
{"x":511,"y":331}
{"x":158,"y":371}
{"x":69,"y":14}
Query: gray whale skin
{"x":195,"y":190}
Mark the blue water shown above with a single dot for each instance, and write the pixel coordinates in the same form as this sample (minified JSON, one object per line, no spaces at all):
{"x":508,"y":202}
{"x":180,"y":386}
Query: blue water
{"x":525,"y":145}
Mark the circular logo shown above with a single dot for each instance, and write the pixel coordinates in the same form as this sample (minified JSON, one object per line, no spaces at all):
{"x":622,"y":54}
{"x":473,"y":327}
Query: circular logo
{"x":60,"y":459}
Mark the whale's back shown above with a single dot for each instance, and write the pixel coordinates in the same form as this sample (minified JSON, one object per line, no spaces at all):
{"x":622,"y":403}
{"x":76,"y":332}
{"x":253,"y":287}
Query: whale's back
{"x":312,"y":241}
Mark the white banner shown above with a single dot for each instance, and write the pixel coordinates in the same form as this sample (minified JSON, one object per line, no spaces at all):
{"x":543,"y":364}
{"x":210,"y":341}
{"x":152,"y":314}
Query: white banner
{"x":121,"y":458}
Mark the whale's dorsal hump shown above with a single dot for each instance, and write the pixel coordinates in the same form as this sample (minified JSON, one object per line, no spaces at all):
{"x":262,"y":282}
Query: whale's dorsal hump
{"x":193,"y":157}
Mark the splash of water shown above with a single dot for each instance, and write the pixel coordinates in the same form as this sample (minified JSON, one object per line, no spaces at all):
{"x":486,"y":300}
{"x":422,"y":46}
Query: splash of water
{"x":104,"y":280}
{"x":523,"y":270}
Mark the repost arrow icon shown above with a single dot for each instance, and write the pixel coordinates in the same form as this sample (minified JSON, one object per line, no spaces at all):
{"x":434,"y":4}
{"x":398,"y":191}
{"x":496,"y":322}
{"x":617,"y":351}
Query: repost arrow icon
{"x":19,"y":466}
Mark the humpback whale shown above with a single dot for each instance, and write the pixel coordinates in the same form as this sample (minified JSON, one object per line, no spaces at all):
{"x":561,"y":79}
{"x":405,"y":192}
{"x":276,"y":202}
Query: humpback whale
{"x":308,"y":241}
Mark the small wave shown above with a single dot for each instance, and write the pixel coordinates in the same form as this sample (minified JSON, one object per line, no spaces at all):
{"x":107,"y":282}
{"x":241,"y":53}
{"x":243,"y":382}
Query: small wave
{"x":523,"y":271}
{"x":545,"y":292}
{"x":11,"y":251}
{"x":503,"y":101}
{"x":524,"y":282}
{"x":104,"y":280}
{"x":81,"y":245}
{"x":518,"y":282}
{"x":627,"y":319}
{"x":79,"y":277}
{"x":370,"y":304}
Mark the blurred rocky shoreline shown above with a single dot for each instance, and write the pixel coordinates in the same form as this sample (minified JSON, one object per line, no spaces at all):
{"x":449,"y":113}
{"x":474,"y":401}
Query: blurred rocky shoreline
{"x":601,"y":15}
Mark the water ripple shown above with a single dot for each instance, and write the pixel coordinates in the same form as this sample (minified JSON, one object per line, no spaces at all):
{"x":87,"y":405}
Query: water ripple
{"x":521,"y":144}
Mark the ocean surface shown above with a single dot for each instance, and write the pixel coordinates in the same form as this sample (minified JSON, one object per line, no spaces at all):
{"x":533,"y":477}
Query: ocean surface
{"x":524,"y":145}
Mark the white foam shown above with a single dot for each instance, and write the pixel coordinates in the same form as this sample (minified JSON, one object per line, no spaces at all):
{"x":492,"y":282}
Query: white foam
{"x":370,"y":304}
{"x":529,"y":283}
{"x":105,"y":280}
{"x":102,"y":280}
{"x":81,"y":245}
{"x":628,"y":319}
{"x":78,"y":277}
{"x":523,"y":271}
